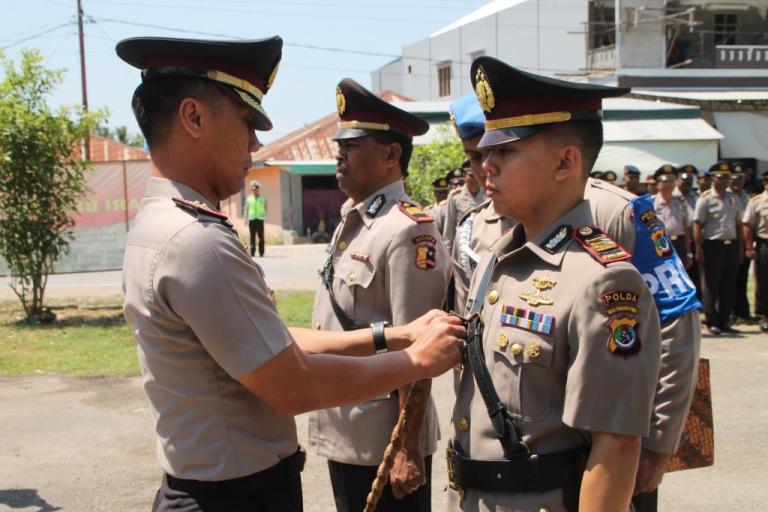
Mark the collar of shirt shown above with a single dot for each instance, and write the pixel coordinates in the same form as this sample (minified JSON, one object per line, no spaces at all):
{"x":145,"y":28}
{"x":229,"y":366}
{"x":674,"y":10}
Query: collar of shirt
{"x":493,"y":216}
{"x":514,"y":240}
{"x":163,"y":187}
{"x":393,"y":192}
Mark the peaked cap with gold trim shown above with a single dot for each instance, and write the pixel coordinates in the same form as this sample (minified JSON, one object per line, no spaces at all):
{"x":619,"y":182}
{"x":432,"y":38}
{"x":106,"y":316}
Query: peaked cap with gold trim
{"x":721,"y":169}
{"x":362,"y":113}
{"x":666,"y":172}
{"x":243,"y":69}
{"x":518,"y":104}
{"x":687,"y":171}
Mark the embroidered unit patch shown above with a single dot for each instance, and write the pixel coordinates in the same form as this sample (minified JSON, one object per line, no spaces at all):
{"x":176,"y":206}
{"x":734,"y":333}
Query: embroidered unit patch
{"x":599,"y":245}
{"x":557,"y":239}
{"x":528,"y":320}
{"x":623,"y":339}
{"x":619,"y":302}
{"x":414,"y":212}
{"x":425,"y":251}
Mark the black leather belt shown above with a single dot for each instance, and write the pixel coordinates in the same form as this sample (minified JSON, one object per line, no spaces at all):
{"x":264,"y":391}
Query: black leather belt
{"x":720,"y":242}
{"x":280,"y":473}
{"x":523,"y":473}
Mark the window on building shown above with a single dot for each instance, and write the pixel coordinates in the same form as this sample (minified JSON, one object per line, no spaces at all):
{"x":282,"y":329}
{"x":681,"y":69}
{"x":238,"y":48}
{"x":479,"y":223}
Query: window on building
{"x":444,"y":79}
{"x":725,"y":29}
{"x":409,"y":69}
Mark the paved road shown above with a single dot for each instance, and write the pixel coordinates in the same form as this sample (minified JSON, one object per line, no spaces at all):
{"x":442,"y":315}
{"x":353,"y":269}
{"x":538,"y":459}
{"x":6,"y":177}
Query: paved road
{"x":287,"y":267}
{"x":87,"y":444}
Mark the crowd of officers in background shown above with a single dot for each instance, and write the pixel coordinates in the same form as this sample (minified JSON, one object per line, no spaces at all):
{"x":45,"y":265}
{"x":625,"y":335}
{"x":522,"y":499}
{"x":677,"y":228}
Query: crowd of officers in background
{"x":717,"y":226}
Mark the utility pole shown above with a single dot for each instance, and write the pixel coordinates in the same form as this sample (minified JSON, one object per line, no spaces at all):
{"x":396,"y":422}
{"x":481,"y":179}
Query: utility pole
{"x":82,"y":71}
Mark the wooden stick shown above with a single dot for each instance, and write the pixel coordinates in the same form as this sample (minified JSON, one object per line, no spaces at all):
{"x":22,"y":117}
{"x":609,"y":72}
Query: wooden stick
{"x":418,"y":399}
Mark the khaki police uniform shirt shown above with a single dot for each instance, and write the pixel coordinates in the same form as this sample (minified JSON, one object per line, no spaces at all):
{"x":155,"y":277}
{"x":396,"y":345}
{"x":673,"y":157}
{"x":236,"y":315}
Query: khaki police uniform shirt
{"x":389,"y":267}
{"x":680,"y":338}
{"x":458,"y":205}
{"x":560,"y":385}
{"x":674,"y":214}
{"x":690,"y":200}
{"x":756,"y":215}
{"x":203,"y":319}
{"x":718,"y":215}
{"x":437,"y":212}
{"x":477,"y":231}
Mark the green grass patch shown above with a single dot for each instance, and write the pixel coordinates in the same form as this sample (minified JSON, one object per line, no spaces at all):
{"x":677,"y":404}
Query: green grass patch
{"x":91,"y":338}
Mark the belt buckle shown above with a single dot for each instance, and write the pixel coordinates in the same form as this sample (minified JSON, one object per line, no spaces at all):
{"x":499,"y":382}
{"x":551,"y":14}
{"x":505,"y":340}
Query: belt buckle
{"x":727,"y":242}
{"x":673,"y":237}
{"x":449,"y":462}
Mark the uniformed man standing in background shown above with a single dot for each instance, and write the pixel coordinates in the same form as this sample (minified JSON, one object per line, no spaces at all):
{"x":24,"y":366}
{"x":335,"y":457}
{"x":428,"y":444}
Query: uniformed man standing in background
{"x":632,"y":179}
{"x":741,"y":302}
{"x":221,"y":370}
{"x":718,"y":239}
{"x":673,"y":212}
{"x":539,"y":432}
{"x":469,"y":132}
{"x":687,"y":173}
{"x":437,"y":210}
{"x":386,"y":266}
{"x":755,"y":224}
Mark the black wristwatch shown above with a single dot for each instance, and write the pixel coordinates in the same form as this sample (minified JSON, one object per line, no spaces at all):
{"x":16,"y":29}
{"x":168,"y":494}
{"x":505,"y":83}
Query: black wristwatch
{"x":379,"y":341}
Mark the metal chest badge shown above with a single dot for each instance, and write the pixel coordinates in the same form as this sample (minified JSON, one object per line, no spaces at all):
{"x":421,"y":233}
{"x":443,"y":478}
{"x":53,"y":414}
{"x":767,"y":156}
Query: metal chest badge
{"x":536,"y":298}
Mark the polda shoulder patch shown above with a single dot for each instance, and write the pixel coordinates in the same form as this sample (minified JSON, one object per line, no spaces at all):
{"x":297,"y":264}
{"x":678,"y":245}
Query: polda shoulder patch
{"x":599,"y":245}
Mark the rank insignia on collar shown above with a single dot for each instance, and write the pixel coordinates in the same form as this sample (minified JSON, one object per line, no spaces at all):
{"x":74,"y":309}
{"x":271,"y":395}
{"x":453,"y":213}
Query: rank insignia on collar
{"x":425,"y":252}
{"x":599,"y":245}
{"x":375,"y":205}
{"x":623,"y":339}
{"x":557,"y":239}
{"x":528,"y":320}
{"x":414,"y":212}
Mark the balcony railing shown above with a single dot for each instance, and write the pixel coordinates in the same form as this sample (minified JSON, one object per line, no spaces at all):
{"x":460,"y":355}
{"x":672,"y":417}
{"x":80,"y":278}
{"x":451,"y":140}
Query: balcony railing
{"x":741,"y":56}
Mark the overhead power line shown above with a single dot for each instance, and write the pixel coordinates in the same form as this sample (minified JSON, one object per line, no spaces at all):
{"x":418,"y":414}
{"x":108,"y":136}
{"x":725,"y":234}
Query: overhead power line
{"x":35,"y":36}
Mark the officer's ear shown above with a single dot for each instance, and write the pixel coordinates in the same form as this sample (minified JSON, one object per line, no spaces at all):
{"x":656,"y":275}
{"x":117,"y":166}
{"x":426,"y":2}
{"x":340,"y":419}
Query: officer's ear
{"x":570,"y":163}
{"x":393,"y":154}
{"x":190,"y":116}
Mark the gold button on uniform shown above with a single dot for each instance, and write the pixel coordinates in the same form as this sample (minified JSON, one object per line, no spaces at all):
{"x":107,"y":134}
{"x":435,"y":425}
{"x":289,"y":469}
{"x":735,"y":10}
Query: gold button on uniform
{"x":463,"y":424}
{"x":342,"y":245}
{"x":351,"y":277}
{"x":502,"y":341}
{"x":318,"y":326}
{"x":544,"y":509}
{"x":516,"y":349}
{"x":493,"y":297}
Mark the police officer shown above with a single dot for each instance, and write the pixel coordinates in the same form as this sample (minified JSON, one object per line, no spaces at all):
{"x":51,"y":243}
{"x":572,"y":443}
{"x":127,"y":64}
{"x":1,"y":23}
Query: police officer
{"x":717,"y":235}
{"x":704,"y":181}
{"x":386,"y":266}
{"x":741,"y":303}
{"x":632,"y":179}
{"x":482,"y":225}
{"x":222,"y":372}
{"x":437,"y":210}
{"x":685,"y":176}
{"x":470,"y":131}
{"x":539,"y":295}
{"x":755,"y":223}
{"x":651,"y":187}
{"x":673,"y":212}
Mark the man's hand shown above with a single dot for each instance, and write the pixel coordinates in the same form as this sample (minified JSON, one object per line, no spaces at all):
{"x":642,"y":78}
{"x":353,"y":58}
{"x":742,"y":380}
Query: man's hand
{"x":402,"y":337}
{"x":751,"y":253}
{"x":437,"y":347}
{"x":650,"y":471}
{"x":408,"y":473}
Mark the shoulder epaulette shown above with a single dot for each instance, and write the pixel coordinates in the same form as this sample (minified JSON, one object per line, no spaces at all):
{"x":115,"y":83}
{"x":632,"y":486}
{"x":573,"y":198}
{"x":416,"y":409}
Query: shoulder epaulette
{"x":443,"y":202}
{"x":198,"y":209}
{"x":600,"y":246}
{"x":755,"y":198}
{"x":414,"y":211}
{"x":706,"y":192}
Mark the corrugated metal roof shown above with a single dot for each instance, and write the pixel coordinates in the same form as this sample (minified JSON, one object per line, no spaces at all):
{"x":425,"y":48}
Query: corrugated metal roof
{"x":104,"y":149}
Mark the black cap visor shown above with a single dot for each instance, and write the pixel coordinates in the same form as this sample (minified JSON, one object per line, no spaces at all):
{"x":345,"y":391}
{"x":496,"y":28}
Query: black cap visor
{"x":500,"y":136}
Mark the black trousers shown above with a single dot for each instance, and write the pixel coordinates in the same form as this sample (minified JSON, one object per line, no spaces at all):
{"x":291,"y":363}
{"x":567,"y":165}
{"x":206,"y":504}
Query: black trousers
{"x":761,"y":279}
{"x":256,"y":226}
{"x":721,"y":262}
{"x":352,"y":483}
{"x":741,"y":303}
{"x":277,"y":489}
{"x":646,"y":502}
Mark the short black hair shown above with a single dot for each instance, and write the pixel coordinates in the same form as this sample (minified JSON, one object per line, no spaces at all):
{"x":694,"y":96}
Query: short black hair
{"x":156,"y":100}
{"x":406,"y":145}
{"x":586,"y":134}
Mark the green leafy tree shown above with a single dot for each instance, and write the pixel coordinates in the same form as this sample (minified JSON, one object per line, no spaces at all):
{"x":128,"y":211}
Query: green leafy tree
{"x":431,"y":161}
{"x":42,"y":175}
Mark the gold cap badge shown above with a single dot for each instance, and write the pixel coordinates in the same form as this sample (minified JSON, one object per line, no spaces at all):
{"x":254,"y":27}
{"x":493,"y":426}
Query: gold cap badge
{"x":483,"y":90}
{"x":341,"y":102}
